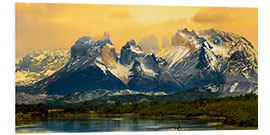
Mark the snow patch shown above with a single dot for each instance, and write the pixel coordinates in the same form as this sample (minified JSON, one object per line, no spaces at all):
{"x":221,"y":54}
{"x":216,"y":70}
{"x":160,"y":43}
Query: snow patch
{"x":211,"y":58}
{"x":233,"y":87}
{"x":220,"y":50}
{"x":174,"y":54}
{"x":99,"y":62}
{"x":148,"y":71}
{"x":136,"y":50}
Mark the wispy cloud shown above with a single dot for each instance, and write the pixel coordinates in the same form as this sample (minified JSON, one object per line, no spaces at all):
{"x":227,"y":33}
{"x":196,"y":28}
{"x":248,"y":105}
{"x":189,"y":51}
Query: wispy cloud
{"x":120,"y":15}
{"x":213,"y":15}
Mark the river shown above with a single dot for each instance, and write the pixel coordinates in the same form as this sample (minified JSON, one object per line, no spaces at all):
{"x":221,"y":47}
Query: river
{"x":109,"y":124}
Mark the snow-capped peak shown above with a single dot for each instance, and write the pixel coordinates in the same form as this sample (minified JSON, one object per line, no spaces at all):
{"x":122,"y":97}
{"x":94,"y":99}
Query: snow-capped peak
{"x":187,"y":38}
{"x":40,"y":64}
{"x":131,"y":46}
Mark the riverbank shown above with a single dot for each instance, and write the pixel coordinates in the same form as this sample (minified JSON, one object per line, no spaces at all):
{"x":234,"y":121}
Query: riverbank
{"x":23,"y":117}
{"x":241,"y":111}
{"x":215,"y":122}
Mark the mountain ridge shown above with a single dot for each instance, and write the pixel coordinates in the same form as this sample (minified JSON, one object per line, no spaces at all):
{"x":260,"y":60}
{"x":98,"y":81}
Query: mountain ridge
{"x":40,"y":64}
{"x":191,"y":61}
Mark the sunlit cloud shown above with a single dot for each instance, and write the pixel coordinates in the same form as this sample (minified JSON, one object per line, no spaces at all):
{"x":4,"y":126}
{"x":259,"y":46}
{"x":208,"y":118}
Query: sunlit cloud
{"x":213,"y":15}
{"x":60,"y":25}
{"x":120,"y":15}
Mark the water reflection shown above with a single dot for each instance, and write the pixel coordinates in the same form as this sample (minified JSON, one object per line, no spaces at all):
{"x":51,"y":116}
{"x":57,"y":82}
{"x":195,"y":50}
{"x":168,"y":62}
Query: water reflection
{"x":109,"y":124}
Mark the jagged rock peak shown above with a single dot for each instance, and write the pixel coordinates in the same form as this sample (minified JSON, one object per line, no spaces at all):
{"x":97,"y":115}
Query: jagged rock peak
{"x":131,"y":42}
{"x":85,"y":45}
{"x":228,"y":40}
{"x":211,"y":30}
{"x":187,"y":39}
{"x":83,"y":40}
{"x":219,"y":37}
{"x":86,"y":40}
{"x":131,"y":46}
{"x":129,"y":52}
{"x":106,"y":38}
{"x":186,"y":31}
{"x":106,"y":35}
{"x":149,"y":44}
{"x":165,"y":43}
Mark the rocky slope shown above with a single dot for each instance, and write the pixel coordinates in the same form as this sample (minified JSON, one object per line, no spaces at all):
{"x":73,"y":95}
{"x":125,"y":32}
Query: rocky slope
{"x":212,"y":57}
{"x":26,"y":98}
{"x":147,"y":72}
{"x":39,"y":65}
{"x":128,"y":96}
{"x":85,"y":71}
{"x":80,"y":97}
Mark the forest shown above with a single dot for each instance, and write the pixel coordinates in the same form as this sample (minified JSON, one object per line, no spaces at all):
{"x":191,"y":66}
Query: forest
{"x":241,"y":111}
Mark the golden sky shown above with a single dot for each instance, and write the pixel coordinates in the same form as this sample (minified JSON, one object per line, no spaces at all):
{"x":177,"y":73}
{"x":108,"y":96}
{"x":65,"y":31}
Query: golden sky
{"x":42,"y":25}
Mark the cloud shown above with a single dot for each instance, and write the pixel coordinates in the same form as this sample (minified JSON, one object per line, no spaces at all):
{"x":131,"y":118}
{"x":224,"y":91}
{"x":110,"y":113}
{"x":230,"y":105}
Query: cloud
{"x":59,"y":25}
{"x":120,"y":15}
{"x":158,"y":14}
{"x":213,"y":15}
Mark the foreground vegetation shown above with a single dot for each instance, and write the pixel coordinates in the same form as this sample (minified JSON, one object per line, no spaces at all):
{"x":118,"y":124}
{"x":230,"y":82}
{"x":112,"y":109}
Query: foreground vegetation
{"x":239,"y":111}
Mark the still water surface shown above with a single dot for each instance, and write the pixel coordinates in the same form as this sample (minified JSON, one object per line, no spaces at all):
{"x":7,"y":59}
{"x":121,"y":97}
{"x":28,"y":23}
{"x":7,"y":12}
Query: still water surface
{"x":101,"y":124}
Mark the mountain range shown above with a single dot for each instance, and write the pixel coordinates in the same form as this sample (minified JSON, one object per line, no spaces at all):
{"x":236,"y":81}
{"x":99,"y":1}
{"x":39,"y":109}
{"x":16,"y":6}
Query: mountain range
{"x":211,"y":59}
{"x":40,"y":64}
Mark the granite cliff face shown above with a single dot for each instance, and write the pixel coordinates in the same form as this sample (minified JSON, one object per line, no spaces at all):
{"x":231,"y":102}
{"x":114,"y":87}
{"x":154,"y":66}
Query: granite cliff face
{"x":85,"y":71}
{"x":146,"y":71}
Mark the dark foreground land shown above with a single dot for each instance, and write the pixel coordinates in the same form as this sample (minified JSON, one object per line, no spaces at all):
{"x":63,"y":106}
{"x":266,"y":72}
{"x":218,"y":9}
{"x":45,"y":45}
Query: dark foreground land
{"x":239,"y":111}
